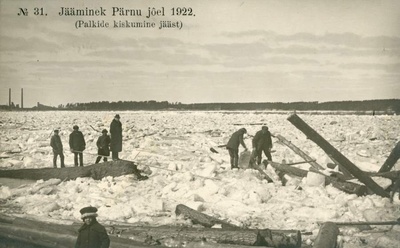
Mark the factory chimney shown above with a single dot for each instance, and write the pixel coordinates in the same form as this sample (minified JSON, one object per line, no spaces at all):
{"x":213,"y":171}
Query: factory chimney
{"x":22,"y":98}
{"x":9,"y":97}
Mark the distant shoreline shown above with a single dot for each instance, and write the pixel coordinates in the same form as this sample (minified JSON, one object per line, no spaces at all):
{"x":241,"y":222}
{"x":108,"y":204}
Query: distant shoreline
{"x":366,"y":107}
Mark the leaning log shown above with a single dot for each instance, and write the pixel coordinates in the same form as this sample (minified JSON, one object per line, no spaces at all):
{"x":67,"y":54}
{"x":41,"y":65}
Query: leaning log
{"x":202,"y":219}
{"x":299,"y":152}
{"x":327,"y":236}
{"x":95,"y":171}
{"x":339,"y":157}
{"x":348,"y":187}
{"x":392,"y":159}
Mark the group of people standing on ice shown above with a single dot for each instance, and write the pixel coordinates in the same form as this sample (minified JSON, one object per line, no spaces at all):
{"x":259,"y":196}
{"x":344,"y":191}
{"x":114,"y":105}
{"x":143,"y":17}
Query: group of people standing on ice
{"x":77,"y":144}
{"x":261,"y":143}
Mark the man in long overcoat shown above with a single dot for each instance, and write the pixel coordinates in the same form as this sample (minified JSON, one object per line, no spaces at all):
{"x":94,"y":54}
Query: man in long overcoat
{"x":262,"y":143}
{"x":233,"y":146}
{"x":116,"y":137}
{"x":77,"y":145}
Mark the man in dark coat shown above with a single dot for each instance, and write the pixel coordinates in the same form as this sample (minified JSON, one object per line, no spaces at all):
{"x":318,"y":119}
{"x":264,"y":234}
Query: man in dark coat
{"x":262,"y":143}
{"x":77,"y":145}
{"x":103,"y":146}
{"x":55,"y":143}
{"x":233,"y":146}
{"x":116,"y":137}
{"x":91,"y":234}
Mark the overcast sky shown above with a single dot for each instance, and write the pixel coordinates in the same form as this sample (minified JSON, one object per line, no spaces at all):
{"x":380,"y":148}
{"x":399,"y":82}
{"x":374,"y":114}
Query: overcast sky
{"x":230,"y":51}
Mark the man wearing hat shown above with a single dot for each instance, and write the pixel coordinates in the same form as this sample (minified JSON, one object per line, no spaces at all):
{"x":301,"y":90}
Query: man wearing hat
{"x":116,"y":137}
{"x":91,"y":234}
{"x":77,"y":145}
{"x":233,"y":146}
{"x":262,"y":143}
{"x":55,"y":143}
{"x":103,"y":146}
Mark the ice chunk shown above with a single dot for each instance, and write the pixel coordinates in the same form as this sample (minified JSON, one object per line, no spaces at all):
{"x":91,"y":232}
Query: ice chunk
{"x":315,"y":179}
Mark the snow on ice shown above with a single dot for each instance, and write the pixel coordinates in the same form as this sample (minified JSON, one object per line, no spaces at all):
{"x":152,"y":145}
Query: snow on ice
{"x":174,"y":149}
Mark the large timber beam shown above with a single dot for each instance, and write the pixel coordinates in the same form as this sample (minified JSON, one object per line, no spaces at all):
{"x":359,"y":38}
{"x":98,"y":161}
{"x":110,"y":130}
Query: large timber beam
{"x":392,"y":159}
{"x":339,"y":157}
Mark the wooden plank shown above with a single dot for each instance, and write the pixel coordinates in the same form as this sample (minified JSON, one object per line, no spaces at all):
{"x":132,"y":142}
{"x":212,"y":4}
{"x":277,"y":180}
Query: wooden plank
{"x":200,"y":218}
{"x":327,"y":236}
{"x":299,"y":152}
{"x":348,"y":187}
{"x":339,"y":157}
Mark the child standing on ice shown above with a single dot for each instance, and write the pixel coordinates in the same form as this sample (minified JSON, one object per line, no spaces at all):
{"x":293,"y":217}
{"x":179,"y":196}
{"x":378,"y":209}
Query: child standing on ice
{"x":103,"y":146}
{"x":91,"y":233}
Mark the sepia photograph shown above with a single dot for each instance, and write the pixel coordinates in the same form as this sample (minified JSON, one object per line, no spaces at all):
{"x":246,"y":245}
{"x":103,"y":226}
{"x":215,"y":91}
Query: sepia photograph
{"x":218,"y":124}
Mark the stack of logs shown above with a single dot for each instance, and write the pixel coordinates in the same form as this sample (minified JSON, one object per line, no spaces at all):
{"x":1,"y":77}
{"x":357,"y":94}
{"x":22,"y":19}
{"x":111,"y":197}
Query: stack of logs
{"x":327,"y":236}
{"x":347,"y":168}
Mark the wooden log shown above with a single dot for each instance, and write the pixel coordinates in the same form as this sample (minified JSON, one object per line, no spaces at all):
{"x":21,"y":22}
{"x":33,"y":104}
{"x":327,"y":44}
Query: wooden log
{"x":287,"y":169}
{"x":95,"y":171}
{"x":45,"y":234}
{"x":392,"y":175}
{"x":37,"y":237}
{"x":348,"y":187}
{"x":329,"y":149}
{"x":299,"y":152}
{"x":246,"y":237}
{"x":202,"y":219}
{"x":327,"y":236}
{"x":213,"y":245}
{"x":372,"y":223}
{"x":392,"y":159}
{"x":243,"y":238}
{"x":264,"y":175}
{"x":50,"y":235}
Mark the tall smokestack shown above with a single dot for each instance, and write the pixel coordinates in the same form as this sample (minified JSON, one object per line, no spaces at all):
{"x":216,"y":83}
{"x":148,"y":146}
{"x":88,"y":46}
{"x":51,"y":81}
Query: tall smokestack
{"x":22,"y":98}
{"x":9,"y":97}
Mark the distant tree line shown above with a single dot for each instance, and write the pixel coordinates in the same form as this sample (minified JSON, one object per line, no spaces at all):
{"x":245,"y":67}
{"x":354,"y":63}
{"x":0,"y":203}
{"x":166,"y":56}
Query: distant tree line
{"x":388,"y":106}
